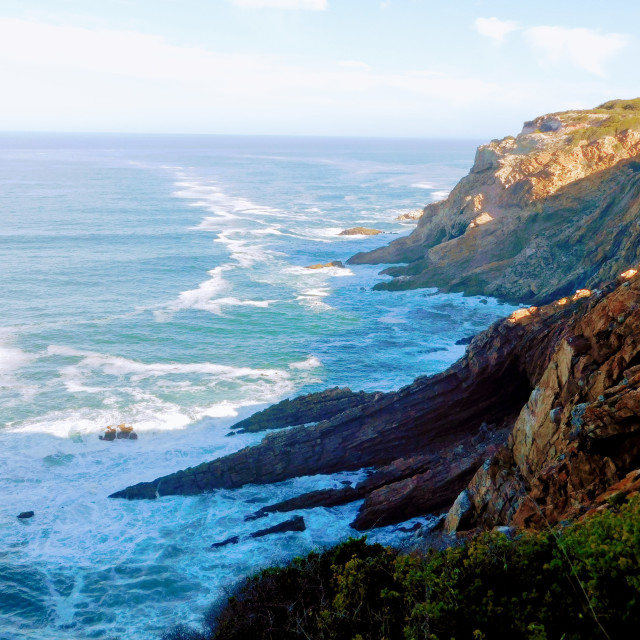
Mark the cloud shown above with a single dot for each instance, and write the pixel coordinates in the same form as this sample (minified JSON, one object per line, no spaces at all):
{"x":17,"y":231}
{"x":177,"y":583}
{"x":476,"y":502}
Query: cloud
{"x":584,"y":48}
{"x":495,"y":28}
{"x":310,"y":5}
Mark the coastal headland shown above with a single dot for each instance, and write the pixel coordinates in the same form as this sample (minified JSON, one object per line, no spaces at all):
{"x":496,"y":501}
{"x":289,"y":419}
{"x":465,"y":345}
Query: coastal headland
{"x":539,"y":420}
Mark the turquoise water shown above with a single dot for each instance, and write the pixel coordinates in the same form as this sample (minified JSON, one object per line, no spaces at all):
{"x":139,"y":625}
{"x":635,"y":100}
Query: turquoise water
{"x":161,"y":281}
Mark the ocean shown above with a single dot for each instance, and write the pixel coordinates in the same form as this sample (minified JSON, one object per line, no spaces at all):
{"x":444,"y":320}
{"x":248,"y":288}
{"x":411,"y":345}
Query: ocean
{"x":160,"y":281}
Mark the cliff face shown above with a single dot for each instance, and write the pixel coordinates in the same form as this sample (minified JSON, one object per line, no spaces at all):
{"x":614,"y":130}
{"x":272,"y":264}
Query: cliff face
{"x":537,"y":217}
{"x":575,"y":445}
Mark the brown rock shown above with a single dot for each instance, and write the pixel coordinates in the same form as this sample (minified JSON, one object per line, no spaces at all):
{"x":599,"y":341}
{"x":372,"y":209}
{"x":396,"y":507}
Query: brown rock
{"x":360,"y":231}
{"x":326,"y":265}
{"x":538,"y":215}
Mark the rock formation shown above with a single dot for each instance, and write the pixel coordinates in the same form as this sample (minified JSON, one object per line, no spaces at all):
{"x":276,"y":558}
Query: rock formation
{"x":540,"y":420}
{"x":537,"y":217}
{"x":576,"y":443}
{"x":360,"y":231}
{"x":306,"y":409}
{"x":326,"y":265}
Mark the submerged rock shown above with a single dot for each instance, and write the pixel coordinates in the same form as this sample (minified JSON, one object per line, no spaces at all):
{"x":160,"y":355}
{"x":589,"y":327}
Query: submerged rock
{"x":26,"y":514}
{"x":294,"y":524}
{"x":224,"y":543}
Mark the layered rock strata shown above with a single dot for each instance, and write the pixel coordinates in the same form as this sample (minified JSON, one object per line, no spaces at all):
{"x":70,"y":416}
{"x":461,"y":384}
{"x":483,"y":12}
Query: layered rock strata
{"x":538,"y":216}
{"x":431,"y":431}
{"x":576,"y":442}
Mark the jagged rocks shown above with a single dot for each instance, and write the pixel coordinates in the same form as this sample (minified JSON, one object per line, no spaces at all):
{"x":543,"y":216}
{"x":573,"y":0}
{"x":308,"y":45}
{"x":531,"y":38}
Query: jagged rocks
{"x":442,"y":414}
{"x":306,"y":409}
{"x":579,"y":433}
{"x":319,"y":498}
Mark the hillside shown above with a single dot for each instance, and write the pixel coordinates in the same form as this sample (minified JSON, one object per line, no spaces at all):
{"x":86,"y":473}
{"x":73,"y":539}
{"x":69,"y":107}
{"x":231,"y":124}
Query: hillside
{"x":538,"y":216}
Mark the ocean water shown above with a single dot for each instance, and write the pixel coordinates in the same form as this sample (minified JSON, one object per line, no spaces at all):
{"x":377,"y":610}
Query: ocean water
{"x":160,"y":281}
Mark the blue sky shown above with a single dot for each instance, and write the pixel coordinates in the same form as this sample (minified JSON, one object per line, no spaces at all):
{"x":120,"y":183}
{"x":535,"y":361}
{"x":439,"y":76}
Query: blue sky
{"x":471,"y":68}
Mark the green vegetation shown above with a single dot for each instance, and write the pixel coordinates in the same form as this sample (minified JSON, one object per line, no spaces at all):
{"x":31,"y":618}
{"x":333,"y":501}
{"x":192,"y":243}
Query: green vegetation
{"x":578,"y":583}
{"x":609,"y":119}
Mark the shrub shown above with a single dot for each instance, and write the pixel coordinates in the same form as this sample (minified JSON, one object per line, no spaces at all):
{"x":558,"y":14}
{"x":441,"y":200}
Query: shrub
{"x":582,"y":582}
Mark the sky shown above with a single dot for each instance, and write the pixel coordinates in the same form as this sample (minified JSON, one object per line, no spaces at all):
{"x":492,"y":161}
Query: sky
{"x":405,"y":68}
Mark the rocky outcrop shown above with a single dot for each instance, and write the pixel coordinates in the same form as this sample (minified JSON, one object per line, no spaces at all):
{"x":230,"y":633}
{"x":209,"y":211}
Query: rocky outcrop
{"x":538,"y":216}
{"x":306,"y":409}
{"x":576,"y":443}
{"x":294,"y":524}
{"x":327,"y":265}
{"x":434,"y":428}
{"x":410,"y":216}
{"x":360,"y":231}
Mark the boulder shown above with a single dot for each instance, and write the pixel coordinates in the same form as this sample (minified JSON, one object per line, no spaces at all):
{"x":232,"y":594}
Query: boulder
{"x":25,"y":515}
{"x":360,"y":231}
{"x":294,"y":524}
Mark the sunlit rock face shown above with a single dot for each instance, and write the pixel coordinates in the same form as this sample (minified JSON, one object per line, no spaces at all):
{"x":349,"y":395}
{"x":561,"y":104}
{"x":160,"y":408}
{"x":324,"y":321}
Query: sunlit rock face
{"x":538,"y":216}
{"x":576,"y":442}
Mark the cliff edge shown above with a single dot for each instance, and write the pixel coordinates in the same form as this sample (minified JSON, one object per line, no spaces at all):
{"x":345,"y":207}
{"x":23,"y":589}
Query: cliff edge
{"x":537,"y":217}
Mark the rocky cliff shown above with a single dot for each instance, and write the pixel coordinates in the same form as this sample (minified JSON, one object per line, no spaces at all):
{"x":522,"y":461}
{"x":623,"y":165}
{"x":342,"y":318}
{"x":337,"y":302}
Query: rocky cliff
{"x":575,"y":445}
{"x":538,"y":421}
{"x":537,"y":217}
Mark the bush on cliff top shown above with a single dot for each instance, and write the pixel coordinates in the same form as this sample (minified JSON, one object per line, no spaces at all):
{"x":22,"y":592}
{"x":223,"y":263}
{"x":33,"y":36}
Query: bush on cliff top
{"x":579,"y":583}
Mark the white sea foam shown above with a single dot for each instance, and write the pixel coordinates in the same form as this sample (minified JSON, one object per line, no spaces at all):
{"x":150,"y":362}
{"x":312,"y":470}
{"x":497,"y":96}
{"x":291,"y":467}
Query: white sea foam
{"x":423,"y":185}
{"x":310,"y":363}
{"x":119,"y":366}
{"x":312,"y":299}
{"x":439,"y":195}
{"x":12,"y":359}
{"x":200,"y":298}
{"x":242,"y":251}
{"x":330,"y":272}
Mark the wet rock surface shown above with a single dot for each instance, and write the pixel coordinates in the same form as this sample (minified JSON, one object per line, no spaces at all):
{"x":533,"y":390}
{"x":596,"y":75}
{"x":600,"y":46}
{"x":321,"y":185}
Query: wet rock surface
{"x":294,"y":524}
{"x":224,"y":543}
{"x":25,"y":515}
{"x":306,"y":409}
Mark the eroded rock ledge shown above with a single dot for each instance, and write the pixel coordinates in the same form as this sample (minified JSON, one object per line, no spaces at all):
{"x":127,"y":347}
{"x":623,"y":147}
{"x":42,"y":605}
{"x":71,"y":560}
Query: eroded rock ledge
{"x":425,"y":440}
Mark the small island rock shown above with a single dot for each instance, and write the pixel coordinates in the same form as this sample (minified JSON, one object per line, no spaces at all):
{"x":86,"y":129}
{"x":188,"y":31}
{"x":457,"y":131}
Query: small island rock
{"x":360,"y":231}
